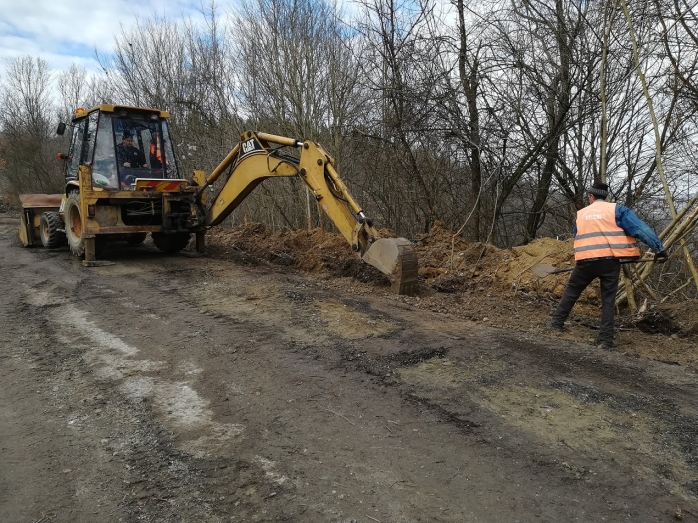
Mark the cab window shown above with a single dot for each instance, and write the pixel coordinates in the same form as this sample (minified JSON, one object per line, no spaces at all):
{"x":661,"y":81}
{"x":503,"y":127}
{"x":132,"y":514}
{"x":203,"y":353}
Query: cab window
{"x":141,"y":148}
{"x":104,"y":164}
{"x":76,"y":147}
{"x":169,"y":153}
{"x":90,"y":137}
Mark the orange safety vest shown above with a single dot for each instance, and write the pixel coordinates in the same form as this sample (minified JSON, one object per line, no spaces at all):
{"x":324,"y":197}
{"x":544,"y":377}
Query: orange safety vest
{"x":155,"y":150}
{"x":598,"y":236}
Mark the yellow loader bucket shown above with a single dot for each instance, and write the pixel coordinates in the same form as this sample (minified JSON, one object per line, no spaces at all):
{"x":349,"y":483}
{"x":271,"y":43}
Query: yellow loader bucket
{"x":33,"y":206}
{"x":397,"y":259}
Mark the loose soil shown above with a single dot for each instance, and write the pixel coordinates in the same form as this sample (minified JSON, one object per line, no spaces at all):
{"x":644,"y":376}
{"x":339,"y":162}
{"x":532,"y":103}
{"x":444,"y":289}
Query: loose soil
{"x":276,"y":378}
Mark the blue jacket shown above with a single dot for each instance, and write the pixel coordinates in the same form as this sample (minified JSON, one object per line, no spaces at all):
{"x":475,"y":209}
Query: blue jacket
{"x":635,"y":227}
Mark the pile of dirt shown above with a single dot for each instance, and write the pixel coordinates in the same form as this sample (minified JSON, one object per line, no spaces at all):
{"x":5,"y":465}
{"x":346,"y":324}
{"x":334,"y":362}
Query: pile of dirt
{"x":315,"y":251}
{"x":305,"y":250}
{"x":447,"y":262}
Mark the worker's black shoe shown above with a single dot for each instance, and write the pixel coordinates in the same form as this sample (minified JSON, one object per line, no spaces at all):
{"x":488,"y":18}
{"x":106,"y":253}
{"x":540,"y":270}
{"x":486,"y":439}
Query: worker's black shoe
{"x":554,"y":326}
{"x":607,"y":344}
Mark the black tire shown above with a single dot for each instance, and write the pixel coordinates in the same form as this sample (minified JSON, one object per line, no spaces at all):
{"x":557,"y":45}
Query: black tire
{"x":51,"y":230}
{"x":73,"y":224}
{"x":171,"y":242}
{"x":136,"y":238}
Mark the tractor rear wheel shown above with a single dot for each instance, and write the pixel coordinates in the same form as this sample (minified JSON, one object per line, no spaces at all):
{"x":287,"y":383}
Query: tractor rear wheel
{"x":73,"y":224}
{"x":50,"y":229}
{"x":136,"y":238}
{"x":171,"y":242}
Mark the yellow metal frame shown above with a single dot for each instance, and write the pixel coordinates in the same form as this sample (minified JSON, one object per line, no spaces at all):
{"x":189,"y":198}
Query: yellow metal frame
{"x":314,"y":167}
{"x":80,"y":113}
{"x":90,"y":195}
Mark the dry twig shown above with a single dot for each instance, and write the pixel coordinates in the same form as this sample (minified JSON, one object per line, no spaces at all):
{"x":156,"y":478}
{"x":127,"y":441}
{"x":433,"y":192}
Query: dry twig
{"x":337,"y":414}
{"x":457,"y":472}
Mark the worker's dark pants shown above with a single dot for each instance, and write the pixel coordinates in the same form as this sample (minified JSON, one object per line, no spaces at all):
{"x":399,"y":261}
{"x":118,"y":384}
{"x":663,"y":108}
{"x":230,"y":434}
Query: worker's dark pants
{"x":607,"y":271}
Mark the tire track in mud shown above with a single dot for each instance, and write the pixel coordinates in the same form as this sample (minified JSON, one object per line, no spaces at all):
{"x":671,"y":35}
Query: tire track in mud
{"x":652,"y":439}
{"x":169,"y":427}
{"x":58,"y":457}
{"x":179,"y":486}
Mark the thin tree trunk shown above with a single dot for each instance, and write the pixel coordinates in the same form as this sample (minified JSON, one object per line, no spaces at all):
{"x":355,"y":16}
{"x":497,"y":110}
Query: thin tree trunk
{"x":608,"y":21}
{"x":658,"y":143}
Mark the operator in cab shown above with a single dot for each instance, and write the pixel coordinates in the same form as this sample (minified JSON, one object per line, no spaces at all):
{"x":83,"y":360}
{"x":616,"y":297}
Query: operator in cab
{"x":128,"y":155}
{"x":156,"y":151}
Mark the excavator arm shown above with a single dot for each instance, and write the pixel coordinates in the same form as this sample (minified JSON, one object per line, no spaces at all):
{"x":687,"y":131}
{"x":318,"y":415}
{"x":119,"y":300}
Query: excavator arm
{"x":259,"y":156}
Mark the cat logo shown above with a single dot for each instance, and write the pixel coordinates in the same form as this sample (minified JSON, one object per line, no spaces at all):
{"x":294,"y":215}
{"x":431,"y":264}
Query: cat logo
{"x":250,"y":146}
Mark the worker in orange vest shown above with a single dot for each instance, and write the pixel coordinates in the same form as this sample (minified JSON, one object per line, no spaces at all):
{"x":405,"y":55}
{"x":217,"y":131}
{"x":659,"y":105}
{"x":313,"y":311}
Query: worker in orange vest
{"x":604,"y":233}
{"x":156,"y":151}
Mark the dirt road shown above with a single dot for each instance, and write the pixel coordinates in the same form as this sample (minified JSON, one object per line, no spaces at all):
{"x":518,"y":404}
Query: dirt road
{"x":190,"y":389}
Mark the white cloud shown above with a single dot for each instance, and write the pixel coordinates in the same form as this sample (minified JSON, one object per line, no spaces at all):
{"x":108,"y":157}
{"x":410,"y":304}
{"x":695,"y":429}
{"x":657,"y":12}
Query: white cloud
{"x":63,"y":32}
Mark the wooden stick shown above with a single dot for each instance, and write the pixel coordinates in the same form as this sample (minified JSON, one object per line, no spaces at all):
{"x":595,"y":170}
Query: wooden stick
{"x":337,"y":414}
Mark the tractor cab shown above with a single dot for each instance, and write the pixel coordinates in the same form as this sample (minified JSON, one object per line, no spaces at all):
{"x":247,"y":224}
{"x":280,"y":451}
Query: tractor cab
{"x":120,"y":145}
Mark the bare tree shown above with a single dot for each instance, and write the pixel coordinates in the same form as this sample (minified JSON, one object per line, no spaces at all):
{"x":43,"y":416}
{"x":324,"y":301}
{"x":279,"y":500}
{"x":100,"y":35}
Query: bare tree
{"x":401,"y":73}
{"x":73,"y":91}
{"x":27,"y":128}
{"x":297,"y":77}
{"x":296,"y":69}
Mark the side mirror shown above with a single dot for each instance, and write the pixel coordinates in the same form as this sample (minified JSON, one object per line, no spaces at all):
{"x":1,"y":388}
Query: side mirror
{"x":61,"y":129}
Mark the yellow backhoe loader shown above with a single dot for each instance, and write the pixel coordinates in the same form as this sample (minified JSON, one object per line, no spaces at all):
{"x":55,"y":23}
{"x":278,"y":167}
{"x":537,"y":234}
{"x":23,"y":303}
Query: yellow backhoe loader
{"x":122,"y":183}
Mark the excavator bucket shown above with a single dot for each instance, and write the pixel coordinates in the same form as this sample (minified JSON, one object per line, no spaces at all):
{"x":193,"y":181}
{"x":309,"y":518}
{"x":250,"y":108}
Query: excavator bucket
{"x":397,"y":259}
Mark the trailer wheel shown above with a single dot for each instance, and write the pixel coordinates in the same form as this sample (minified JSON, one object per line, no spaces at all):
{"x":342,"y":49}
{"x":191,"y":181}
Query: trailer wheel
{"x":51,"y":230}
{"x":73,"y":224}
{"x":171,"y":242}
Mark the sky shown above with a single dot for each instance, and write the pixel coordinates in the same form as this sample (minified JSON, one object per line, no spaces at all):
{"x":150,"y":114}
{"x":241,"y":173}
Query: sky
{"x":63,"y":32}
